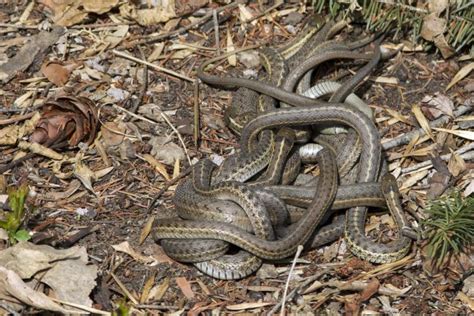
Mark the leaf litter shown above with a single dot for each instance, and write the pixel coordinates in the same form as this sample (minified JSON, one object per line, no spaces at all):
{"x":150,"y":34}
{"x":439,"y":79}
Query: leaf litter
{"x":83,"y":126}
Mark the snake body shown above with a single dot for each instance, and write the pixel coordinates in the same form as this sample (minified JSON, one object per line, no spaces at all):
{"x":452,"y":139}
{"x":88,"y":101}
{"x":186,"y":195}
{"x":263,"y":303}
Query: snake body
{"x":219,"y":209}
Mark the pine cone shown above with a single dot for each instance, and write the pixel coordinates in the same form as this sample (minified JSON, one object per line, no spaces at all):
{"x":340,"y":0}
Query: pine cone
{"x":66,"y":117}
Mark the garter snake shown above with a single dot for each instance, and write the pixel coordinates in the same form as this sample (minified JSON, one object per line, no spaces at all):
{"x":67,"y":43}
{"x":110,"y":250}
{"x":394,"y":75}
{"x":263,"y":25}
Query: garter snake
{"x":266,"y":249}
{"x":272,"y":249}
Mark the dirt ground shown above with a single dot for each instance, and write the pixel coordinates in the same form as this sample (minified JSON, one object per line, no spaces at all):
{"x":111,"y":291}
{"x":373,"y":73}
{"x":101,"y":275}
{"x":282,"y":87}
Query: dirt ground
{"x":63,"y":212}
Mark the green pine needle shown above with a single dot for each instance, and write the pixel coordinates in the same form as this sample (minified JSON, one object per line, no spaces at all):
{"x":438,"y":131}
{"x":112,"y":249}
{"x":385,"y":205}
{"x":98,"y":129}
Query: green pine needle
{"x":405,"y":18}
{"x":450,"y":226}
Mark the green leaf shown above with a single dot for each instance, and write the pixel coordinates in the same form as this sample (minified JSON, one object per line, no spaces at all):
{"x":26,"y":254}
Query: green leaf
{"x":22,"y":235}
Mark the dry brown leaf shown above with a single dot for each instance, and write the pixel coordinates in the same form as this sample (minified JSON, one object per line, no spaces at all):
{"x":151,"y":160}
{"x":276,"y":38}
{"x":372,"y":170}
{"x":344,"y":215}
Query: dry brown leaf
{"x":99,"y":7}
{"x":422,"y":120}
{"x":13,"y":288}
{"x":156,"y":53}
{"x":399,"y":117}
{"x":158,"y":291}
{"x":84,"y":174}
{"x":114,"y":38}
{"x":421,"y":151}
{"x":126,"y":248}
{"x":57,"y":72}
{"x":112,"y":133}
{"x":185,"y":287}
{"x":147,"y":17}
{"x":147,"y":288}
{"x":370,"y":290}
{"x":409,"y":182}
{"x":146,"y":229}
{"x":432,"y":26}
{"x":441,"y":102}
{"x":461,"y":74}
{"x":456,"y":164}
{"x":464,"y":134}
{"x":245,"y":13}
{"x":443,"y":46}
{"x":157,"y":165}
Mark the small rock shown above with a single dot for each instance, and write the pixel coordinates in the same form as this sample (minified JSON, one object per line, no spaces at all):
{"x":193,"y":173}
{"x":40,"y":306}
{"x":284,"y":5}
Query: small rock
{"x":267,"y":271}
{"x":249,"y":59}
{"x":117,"y":94}
{"x":293,"y":18}
{"x":81,"y":211}
{"x":468,"y":287}
{"x":166,"y":151}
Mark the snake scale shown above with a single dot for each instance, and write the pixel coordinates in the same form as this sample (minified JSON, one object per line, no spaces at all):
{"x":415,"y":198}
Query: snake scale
{"x":242,"y":204}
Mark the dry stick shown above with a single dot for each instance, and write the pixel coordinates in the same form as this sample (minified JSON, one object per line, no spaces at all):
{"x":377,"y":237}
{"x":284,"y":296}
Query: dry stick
{"x":144,"y":62}
{"x":290,"y":274}
{"x":296,"y":290}
{"x":216,"y":31}
{"x":464,"y":152}
{"x":138,"y":102}
{"x":165,"y":117}
{"x":196,"y":113}
{"x":17,"y":118}
{"x":405,"y":138}
{"x":202,"y":20}
{"x":124,"y":289}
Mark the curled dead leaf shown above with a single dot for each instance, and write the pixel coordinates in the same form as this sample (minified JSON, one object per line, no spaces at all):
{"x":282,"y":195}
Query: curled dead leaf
{"x":57,"y":72}
{"x":66,"y":118}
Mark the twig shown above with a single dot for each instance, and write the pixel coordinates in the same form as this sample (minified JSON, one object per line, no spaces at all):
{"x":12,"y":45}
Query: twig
{"x":464,"y":152}
{"x":216,"y":31}
{"x":144,"y":62}
{"x":141,"y":96}
{"x":165,"y":117}
{"x":19,"y":26}
{"x":79,"y":306}
{"x":296,"y":290}
{"x":124,"y":289}
{"x":353,"y":286}
{"x":196,"y":113}
{"x":202,"y":20}
{"x":405,"y":138}
{"x":290,"y":274}
{"x":17,"y":118}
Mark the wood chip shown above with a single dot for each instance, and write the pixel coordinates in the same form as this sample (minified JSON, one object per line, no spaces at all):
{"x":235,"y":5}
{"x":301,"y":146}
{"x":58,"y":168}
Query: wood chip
{"x":158,"y":291}
{"x":232,"y":59}
{"x":425,"y":125}
{"x":243,"y":306}
{"x":409,"y":182}
{"x":185,"y":287}
{"x":157,"y":165}
{"x":146,"y":229}
{"x":464,"y":134}
{"x":463,"y":72}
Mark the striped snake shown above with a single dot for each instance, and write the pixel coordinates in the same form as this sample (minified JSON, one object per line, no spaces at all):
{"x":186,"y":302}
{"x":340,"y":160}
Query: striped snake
{"x":256,"y":152}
